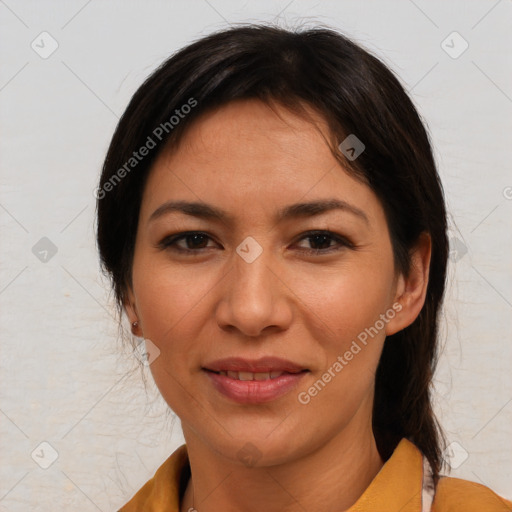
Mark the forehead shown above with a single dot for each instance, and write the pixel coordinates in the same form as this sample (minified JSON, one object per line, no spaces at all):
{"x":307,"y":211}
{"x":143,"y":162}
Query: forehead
{"x":248,"y":155}
{"x":256,"y":139}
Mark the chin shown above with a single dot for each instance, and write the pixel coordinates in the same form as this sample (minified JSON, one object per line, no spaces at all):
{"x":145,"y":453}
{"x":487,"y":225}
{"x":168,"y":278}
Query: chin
{"x":256,"y":448}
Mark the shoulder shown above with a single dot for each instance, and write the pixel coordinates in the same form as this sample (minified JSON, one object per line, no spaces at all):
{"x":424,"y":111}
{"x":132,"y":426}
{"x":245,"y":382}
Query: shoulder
{"x":162,"y":491}
{"x":454,"y":494}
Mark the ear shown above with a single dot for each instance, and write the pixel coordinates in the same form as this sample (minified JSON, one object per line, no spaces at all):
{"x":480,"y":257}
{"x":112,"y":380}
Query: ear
{"x":131,"y":311}
{"x":412,"y":289}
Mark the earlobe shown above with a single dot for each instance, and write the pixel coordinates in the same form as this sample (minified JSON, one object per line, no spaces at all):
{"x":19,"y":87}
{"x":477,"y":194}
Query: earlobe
{"x":412,"y":289}
{"x":131,"y":312}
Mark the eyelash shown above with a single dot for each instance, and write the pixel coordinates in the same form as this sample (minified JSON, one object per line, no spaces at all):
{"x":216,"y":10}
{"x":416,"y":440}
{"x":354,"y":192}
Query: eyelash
{"x":169,"y":242}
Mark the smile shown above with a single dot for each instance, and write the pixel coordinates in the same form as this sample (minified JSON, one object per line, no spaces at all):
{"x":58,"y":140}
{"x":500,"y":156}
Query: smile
{"x":246,"y":376}
{"x":254,"y":388}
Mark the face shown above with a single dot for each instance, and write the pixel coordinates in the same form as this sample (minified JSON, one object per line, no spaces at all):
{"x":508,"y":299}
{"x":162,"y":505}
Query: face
{"x":265,"y":281}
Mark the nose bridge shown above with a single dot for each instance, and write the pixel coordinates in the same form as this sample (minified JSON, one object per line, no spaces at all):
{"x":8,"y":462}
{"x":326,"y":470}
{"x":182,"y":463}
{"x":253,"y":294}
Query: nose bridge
{"x":250,"y":301}
{"x":252,"y":273}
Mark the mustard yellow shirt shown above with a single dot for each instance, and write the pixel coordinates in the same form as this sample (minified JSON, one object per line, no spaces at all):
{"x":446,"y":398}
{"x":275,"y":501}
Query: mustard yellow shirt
{"x":398,"y":487}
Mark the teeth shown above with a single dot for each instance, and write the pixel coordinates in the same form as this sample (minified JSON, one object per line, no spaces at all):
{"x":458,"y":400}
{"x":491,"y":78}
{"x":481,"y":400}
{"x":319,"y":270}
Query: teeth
{"x":251,"y":375}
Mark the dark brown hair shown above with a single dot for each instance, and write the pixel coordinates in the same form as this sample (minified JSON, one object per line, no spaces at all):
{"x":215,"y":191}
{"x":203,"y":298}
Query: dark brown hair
{"x":356,"y":94}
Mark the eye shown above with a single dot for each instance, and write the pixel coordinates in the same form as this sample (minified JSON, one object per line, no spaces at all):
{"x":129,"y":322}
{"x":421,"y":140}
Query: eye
{"x":322,"y":241}
{"x":196,"y":241}
{"x":193,"y":240}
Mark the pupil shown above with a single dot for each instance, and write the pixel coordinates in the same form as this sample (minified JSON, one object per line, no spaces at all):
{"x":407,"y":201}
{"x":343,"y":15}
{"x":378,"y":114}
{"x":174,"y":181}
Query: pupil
{"x":323,"y":239}
{"x":196,"y":238}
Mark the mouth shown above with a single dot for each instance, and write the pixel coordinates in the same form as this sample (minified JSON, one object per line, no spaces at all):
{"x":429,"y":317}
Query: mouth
{"x":247,"y":376}
{"x":263,"y":365}
{"x":254,"y":381}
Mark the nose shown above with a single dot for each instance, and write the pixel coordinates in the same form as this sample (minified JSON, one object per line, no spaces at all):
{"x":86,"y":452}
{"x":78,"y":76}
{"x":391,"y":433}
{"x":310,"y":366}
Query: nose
{"x":254,"y":298}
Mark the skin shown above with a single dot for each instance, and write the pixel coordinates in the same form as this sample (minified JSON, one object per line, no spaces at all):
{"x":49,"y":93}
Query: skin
{"x":251,"y":160}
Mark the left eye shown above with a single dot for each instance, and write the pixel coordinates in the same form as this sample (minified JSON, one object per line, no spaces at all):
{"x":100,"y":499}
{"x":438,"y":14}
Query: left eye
{"x":323,"y":239}
{"x":195,"y":241}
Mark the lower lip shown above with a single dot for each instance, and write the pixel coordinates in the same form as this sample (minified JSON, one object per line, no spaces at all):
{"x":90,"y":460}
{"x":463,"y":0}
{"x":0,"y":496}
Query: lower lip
{"x":255,"y":391}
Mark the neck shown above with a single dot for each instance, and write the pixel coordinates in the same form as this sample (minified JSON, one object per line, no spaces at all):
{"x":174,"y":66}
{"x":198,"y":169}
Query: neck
{"x":331,"y":477}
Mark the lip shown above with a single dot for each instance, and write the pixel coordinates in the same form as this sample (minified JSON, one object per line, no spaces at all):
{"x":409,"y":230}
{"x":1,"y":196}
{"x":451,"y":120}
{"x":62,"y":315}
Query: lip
{"x":262,"y":365}
{"x":254,"y":391}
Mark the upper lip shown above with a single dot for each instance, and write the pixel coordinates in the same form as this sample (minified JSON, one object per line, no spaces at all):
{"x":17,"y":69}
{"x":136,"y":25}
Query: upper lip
{"x":262,"y":365}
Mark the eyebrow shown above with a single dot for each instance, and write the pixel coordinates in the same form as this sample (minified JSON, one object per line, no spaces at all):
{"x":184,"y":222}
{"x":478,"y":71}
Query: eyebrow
{"x":207,"y":211}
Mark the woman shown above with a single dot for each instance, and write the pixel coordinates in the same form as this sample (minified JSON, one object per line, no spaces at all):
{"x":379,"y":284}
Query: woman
{"x":274,"y":226}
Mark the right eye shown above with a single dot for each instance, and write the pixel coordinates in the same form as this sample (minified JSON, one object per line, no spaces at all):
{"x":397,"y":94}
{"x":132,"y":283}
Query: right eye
{"x":194,"y":240}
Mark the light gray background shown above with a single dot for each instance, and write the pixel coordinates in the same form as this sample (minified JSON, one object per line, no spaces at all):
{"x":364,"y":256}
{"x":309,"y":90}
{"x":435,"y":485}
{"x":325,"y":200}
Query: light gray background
{"x":64,"y":378}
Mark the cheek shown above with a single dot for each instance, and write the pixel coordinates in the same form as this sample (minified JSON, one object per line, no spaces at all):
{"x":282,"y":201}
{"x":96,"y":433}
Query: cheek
{"x":346,"y":301}
{"x":169,"y":297}
{"x":171,"y":307}
{"x":344,"y":311}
